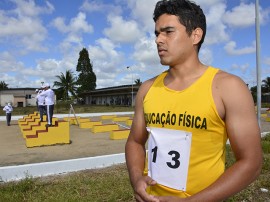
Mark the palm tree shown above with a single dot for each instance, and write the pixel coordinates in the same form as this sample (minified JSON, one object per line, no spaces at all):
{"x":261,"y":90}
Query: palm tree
{"x":138,"y":82}
{"x":3,"y":85}
{"x":66,"y":84}
{"x":266,"y":84}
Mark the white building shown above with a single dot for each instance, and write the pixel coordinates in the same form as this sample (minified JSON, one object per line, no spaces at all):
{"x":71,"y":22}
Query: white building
{"x":19,"y":97}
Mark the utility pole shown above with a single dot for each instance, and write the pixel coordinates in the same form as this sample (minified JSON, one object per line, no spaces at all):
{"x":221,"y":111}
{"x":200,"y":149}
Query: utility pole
{"x":258,"y":62}
{"x":132,"y":102}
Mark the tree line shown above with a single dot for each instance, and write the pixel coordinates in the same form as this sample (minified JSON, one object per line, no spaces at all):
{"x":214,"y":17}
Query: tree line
{"x":69,"y":85}
{"x":264,"y":89}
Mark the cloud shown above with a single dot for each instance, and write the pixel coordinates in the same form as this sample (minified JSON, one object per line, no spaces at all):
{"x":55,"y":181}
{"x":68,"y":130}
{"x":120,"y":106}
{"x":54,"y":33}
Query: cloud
{"x":97,"y":6}
{"x":29,"y":8}
{"x":145,"y":52}
{"x":8,"y":63}
{"x":147,"y":63}
{"x":77,"y":24}
{"x":216,"y":29}
{"x":206,"y":56}
{"x":10,"y":80}
{"x":231,"y":49}
{"x":206,"y":4}
{"x":21,"y":76}
{"x":23,"y":24}
{"x":266,"y":70}
{"x":267,"y":61}
{"x":243,"y":68}
{"x":142,"y":12}
{"x":122,"y":31}
{"x":73,"y":31}
{"x":244,"y":16}
{"x":107,"y":62}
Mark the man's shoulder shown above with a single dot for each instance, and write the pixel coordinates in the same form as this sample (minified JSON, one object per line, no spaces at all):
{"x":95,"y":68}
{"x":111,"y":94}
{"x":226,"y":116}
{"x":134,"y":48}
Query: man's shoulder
{"x":229,"y":86}
{"x":225,"y":79}
{"x":151,"y":80}
{"x":146,"y":85}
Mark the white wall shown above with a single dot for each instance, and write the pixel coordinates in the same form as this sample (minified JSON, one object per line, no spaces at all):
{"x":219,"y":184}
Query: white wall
{"x":6,"y":98}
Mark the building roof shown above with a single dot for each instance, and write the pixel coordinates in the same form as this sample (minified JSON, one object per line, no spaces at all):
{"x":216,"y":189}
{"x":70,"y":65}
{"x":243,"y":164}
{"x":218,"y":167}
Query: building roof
{"x":124,"y":89}
{"x":12,"y":89}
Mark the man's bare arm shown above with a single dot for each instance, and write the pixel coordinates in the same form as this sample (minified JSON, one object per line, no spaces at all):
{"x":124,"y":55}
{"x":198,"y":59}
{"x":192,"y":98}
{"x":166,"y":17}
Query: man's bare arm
{"x":135,"y":149}
{"x":244,"y":135}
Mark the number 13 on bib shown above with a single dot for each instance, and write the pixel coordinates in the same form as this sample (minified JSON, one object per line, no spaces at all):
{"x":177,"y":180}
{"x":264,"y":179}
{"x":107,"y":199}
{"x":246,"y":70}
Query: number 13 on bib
{"x":168,"y":156}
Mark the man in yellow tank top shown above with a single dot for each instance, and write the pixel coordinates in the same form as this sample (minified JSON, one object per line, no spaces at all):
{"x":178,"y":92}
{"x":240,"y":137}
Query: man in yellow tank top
{"x":186,"y":114}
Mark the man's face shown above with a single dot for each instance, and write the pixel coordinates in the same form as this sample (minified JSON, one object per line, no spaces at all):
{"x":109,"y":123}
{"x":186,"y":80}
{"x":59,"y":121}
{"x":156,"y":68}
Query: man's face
{"x":173,"y":42}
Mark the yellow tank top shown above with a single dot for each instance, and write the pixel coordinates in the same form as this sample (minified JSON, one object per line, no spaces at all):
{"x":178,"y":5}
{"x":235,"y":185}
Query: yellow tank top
{"x":193,"y":110}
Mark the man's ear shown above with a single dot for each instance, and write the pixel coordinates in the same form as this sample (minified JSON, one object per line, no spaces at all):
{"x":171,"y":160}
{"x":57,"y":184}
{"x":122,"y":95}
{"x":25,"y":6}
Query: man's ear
{"x":197,"y":35}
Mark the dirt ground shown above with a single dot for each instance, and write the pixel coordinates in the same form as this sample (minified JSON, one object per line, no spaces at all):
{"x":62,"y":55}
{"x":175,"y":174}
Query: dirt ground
{"x":13,"y":150}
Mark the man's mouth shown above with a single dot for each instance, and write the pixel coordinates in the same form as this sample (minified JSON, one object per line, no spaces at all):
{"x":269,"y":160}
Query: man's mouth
{"x":161,"y":51}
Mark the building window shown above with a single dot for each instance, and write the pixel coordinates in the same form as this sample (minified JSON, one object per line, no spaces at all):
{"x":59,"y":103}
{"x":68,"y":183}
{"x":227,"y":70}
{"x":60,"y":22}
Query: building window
{"x":28,"y":96}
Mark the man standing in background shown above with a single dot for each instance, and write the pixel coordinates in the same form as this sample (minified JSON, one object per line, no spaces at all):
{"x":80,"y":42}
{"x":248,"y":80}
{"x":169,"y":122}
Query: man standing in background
{"x":37,"y":92}
{"x":8,"y":109}
{"x":41,"y":104}
{"x":49,"y":102}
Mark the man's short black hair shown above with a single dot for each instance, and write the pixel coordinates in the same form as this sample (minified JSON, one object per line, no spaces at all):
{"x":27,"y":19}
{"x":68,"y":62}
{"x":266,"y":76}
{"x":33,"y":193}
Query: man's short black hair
{"x":189,"y":14}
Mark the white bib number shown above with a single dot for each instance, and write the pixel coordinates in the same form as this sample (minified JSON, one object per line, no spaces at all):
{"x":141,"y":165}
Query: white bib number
{"x":168,"y":156}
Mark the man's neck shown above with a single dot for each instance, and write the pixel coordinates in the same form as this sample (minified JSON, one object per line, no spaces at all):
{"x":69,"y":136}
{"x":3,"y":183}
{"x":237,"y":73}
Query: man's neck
{"x":182,"y":76}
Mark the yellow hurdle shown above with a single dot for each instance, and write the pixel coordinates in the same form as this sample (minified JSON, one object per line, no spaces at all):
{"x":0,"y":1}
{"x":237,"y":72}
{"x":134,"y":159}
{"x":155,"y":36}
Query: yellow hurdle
{"x":72,"y":120}
{"x":90,"y":124}
{"x":107,"y":117}
{"x":267,"y":118}
{"x":120,"y":118}
{"x":119,"y":134}
{"x":129,"y":122}
{"x":104,"y":128}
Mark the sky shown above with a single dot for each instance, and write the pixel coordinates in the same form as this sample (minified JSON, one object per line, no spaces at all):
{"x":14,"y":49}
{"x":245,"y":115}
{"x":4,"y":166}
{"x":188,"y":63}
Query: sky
{"x":40,"y":39}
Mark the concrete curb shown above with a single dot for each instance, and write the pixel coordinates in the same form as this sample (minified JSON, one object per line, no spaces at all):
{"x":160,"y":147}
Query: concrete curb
{"x":14,"y":173}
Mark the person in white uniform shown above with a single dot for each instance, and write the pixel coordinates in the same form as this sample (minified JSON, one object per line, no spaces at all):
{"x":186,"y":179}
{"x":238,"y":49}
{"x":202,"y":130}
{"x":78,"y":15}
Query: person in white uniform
{"x":37,"y":91}
{"x":41,"y":104}
{"x":49,"y":102}
{"x":8,"y":109}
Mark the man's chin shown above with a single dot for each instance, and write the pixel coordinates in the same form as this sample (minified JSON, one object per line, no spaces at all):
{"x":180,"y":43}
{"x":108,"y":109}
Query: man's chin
{"x":165,"y":63}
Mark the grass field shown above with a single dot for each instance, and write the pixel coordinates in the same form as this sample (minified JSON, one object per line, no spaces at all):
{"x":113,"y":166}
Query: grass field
{"x":112,"y":184}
